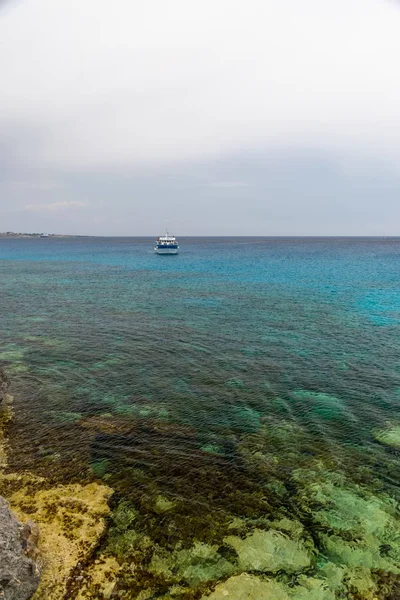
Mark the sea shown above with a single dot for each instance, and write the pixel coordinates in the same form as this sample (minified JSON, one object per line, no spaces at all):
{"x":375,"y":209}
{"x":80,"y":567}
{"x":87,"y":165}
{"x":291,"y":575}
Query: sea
{"x":229,"y":380}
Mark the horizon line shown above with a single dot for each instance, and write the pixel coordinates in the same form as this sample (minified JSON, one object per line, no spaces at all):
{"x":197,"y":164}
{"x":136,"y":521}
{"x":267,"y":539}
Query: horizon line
{"x":80,"y":235}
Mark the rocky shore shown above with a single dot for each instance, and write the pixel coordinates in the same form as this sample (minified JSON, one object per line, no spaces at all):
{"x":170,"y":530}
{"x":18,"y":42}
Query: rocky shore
{"x":48,"y":533}
{"x":326,"y":537}
{"x":3,"y":386}
{"x":19,"y":572}
{"x":5,"y":415}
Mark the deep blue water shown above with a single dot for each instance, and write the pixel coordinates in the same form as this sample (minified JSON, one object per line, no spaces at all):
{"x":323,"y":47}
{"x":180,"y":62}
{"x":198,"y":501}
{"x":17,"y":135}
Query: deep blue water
{"x":139,"y":368}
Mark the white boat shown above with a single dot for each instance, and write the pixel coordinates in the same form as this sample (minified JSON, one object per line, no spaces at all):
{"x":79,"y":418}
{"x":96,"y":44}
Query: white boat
{"x":166,"y":244}
{"x":44,"y":235}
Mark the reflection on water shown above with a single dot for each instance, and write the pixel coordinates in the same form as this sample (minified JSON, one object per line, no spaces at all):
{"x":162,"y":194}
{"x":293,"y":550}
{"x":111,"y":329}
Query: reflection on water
{"x":240,"y":398}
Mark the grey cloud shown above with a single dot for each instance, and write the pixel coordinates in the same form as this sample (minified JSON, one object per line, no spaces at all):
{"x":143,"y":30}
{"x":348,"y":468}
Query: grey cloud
{"x":262,"y":117}
{"x":156,"y":82}
{"x":302,"y":192}
{"x":54,"y":206}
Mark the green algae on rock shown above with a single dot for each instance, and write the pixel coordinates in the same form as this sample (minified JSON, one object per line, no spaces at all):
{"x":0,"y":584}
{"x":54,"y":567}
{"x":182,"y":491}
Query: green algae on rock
{"x":389,"y":435}
{"x":19,"y":571}
{"x":198,"y":564}
{"x":63,"y":416}
{"x":310,"y":589}
{"x":251,"y":587}
{"x":291,"y":527}
{"x":163,"y":504}
{"x":248,"y":587}
{"x":321,"y":509}
{"x":269,"y":551}
{"x":71,"y":520}
{"x":202,"y":563}
{"x":99,"y":580}
{"x":357,"y":531}
{"x":5,"y":418}
{"x":321,"y":405}
{"x":363,"y":526}
{"x":4,"y":383}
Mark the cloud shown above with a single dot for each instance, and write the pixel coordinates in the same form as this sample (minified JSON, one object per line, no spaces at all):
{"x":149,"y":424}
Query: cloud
{"x":296,"y":192}
{"x":211,"y":117}
{"x":228,"y":184}
{"x":149,"y":83}
{"x":41,"y":186}
{"x":54,"y":206}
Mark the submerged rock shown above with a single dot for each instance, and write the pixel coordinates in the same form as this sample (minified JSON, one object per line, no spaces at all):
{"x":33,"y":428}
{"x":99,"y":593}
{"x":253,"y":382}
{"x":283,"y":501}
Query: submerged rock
{"x":358,"y":531}
{"x":361,"y":531}
{"x":269,"y":551}
{"x":5,"y":416}
{"x":390,"y":435}
{"x":198,"y":564}
{"x":163,"y":504}
{"x":248,"y":587}
{"x":311,"y":589}
{"x":19,"y":574}
{"x":100,"y":579}
{"x":71,"y":520}
{"x":251,"y":587}
{"x":202,"y":563}
{"x":3,"y":386}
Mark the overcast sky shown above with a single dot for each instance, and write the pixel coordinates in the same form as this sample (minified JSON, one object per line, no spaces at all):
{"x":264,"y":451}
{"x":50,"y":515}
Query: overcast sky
{"x":252,"y":117}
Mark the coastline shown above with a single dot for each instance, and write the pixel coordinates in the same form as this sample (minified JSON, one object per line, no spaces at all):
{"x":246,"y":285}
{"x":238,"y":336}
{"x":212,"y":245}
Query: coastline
{"x":87,"y":549}
{"x":91,"y":546}
{"x":71,"y":520}
{"x":13,"y":235}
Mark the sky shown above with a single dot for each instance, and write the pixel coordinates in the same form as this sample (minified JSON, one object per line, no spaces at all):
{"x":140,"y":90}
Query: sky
{"x":219,"y":117}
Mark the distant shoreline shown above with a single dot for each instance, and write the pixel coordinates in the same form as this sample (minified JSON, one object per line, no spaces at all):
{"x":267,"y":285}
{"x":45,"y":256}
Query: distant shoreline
{"x":39,"y":235}
{"x":14,"y":235}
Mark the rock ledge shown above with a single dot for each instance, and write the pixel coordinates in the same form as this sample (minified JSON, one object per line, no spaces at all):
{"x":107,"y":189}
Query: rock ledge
{"x":19,"y":574}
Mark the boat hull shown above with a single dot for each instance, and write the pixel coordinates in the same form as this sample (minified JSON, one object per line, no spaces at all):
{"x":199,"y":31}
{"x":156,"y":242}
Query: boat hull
{"x":166,"y":250}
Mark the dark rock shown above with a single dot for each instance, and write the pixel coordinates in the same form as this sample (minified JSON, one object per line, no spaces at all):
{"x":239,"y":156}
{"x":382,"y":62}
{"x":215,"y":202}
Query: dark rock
{"x":19,"y":574}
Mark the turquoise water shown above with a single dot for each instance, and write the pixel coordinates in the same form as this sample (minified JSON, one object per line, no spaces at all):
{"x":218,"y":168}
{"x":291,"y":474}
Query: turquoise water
{"x":208,"y":378}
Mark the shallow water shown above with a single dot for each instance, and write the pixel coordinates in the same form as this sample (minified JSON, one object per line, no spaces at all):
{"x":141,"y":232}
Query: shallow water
{"x":169,"y":376}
